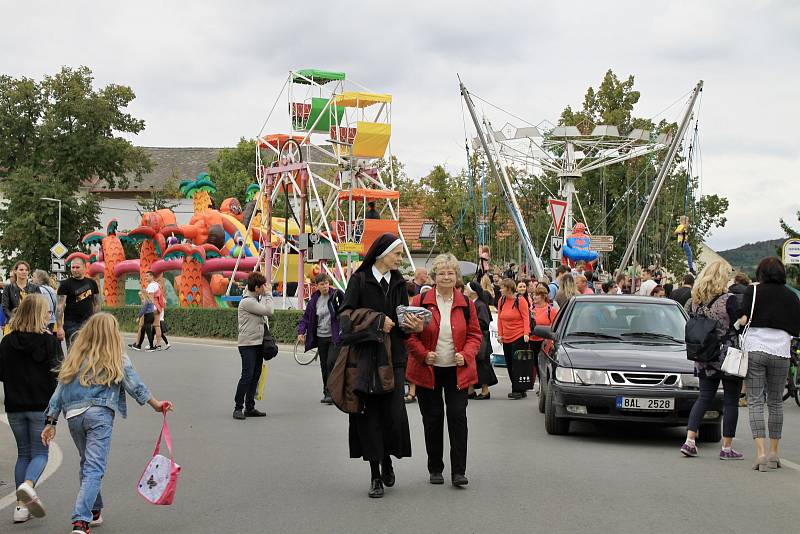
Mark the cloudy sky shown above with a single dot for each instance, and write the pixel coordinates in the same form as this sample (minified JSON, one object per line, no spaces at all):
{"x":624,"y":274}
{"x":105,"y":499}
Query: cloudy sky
{"x":205,"y":73}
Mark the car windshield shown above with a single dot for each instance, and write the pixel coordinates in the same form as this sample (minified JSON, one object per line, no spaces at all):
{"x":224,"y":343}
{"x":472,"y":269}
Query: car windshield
{"x":626,"y":320}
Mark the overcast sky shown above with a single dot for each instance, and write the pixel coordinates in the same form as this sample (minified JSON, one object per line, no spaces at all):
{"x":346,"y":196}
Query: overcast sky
{"x":206,"y":73}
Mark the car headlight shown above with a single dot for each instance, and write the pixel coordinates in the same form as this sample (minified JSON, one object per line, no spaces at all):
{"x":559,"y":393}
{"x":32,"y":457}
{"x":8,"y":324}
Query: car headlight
{"x":586,"y":377}
{"x":689,"y":381}
{"x":591,"y":377}
{"x":565,"y":374}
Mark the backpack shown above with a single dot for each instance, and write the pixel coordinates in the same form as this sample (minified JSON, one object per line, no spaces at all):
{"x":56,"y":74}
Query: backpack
{"x":702,"y":341}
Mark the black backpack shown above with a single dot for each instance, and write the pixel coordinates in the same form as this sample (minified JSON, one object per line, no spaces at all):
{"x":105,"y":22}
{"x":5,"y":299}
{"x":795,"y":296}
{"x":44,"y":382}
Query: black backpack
{"x":702,"y":341}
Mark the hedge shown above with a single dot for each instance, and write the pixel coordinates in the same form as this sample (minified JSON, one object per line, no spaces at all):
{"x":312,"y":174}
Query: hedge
{"x":211,"y":322}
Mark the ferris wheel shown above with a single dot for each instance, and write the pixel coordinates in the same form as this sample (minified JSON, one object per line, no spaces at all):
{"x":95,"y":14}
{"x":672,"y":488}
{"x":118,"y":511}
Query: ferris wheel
{"x":324,"y":192}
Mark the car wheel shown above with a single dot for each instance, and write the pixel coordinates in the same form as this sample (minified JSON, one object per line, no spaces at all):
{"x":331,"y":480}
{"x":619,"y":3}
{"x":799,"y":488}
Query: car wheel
{"x":542,"y":393}
{"x":552,"y":424}
{"x":710,"y":433}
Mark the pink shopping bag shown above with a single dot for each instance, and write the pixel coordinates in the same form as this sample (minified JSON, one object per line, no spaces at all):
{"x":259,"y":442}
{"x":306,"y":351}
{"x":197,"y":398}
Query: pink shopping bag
{"x":160,"y":478}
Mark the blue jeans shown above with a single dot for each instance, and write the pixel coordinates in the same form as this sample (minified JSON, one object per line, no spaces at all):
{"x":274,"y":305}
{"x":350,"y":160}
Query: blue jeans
{"x":31,"y":454}
{"x":687,"y":249}
{"x":91,"y":432}
{"x":709,"y":385}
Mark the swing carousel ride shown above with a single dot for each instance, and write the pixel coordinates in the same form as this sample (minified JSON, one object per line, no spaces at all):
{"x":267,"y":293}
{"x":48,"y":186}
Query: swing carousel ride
{"x":567,"y":153}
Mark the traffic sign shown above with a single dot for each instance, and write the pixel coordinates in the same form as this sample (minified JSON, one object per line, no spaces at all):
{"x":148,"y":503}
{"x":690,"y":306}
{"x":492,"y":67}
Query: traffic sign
{"x":58,"y":250}
{"x":58,"y":265}
{"x":601,"y":243}
{"x":556,"y":244}
{"x":558,"y":208}
{"x":791,"y":251}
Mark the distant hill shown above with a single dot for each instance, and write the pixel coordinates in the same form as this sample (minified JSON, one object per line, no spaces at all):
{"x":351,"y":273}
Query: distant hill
{"x":747,"y":256}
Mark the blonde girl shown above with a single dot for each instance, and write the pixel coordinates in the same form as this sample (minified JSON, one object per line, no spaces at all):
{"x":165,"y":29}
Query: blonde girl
{"x":92,"y":383}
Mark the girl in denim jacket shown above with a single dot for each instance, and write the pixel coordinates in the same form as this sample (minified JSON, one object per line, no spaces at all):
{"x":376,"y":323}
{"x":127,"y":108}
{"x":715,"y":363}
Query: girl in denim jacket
{"x":92,"y":383}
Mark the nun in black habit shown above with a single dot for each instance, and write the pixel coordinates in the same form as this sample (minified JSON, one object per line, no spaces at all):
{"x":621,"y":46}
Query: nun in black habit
{"x":381,"y":429}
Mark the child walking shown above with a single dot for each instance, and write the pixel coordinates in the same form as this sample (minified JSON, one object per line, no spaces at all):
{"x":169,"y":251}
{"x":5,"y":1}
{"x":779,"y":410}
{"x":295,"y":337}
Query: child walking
{"x":92,"y":383}
{"x":146,"y":317}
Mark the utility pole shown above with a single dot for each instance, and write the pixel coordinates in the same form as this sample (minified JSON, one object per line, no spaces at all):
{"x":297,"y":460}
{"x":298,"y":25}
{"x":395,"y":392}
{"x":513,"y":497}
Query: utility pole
{"x":661,"y":178}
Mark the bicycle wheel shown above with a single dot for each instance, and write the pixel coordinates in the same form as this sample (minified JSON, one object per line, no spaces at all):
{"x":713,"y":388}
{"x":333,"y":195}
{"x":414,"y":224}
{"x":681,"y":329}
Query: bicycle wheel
{"x":301,"y":356}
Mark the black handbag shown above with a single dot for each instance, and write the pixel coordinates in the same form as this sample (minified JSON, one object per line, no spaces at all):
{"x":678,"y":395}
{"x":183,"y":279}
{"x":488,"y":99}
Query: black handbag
{"x":523,"y":369}
{"x":269,"y":349}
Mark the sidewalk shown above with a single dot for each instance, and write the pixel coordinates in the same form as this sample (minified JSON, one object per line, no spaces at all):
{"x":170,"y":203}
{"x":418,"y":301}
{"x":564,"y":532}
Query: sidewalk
{"x":207,"y":341}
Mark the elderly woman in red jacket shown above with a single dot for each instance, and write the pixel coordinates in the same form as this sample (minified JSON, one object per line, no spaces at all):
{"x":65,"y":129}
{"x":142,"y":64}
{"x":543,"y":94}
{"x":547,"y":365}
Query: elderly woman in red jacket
{"x":442,"y":361}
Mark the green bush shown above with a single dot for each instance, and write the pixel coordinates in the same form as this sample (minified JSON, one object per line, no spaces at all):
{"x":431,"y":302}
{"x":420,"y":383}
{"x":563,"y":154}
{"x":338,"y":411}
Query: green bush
{"x":211,"y":322}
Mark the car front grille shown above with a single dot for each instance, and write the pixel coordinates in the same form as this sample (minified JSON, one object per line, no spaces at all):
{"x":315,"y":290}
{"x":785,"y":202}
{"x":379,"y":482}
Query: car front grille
{"x":643,"y":379}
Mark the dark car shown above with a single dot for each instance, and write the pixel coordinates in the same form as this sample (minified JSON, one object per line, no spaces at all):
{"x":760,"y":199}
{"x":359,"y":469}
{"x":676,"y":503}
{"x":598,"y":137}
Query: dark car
{"x":620,"y":358}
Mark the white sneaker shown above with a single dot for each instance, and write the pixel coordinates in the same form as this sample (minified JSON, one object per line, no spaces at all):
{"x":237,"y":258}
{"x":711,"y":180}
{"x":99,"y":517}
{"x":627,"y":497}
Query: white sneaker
{"x":21,"y":514}
{"x":96,"y":520}
{"x":27,"y":495}
{"x":166,"y":346}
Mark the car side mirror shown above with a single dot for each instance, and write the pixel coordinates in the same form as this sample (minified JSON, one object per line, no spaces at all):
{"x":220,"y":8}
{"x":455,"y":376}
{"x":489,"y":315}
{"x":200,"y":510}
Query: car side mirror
{"x":544,"y":332}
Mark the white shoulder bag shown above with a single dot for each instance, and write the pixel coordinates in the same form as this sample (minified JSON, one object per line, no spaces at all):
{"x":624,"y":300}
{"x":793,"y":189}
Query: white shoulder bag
{"x":735,"y":363}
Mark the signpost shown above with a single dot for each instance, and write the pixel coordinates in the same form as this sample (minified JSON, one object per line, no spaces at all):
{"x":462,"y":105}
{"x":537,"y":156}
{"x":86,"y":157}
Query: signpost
{"x":791,"y":251}
{"x":556,"y":244}
{"x":57,"y":262}
{"x":558,"y":208}
{"x":601,"y":243}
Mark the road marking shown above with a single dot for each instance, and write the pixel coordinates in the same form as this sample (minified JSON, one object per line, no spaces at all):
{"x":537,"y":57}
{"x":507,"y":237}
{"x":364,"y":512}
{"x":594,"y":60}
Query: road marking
{"x":790,"y":465}
{"x":53,"y":463}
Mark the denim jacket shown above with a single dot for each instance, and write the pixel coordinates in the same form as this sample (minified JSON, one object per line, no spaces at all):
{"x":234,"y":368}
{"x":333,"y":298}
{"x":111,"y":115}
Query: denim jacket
{"x":73,"y":396}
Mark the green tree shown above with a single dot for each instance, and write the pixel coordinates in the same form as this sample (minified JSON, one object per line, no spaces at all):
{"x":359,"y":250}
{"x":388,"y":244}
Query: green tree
{"x":233,"y":170}
{"x":56,"y":135}
{"x":30,"y":225}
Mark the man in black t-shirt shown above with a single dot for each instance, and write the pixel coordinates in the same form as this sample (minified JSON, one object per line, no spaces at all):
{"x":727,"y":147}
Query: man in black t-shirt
{"x":683,"y":293}
{"x":78,"y":299}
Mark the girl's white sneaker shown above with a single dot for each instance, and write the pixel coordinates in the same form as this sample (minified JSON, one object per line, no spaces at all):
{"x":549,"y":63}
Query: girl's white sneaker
{"x":21,"y":514}
{"x":27,"y":495}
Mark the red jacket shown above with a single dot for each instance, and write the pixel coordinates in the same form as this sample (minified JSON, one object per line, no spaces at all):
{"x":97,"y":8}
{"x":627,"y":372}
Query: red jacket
{"x":466,"y":338}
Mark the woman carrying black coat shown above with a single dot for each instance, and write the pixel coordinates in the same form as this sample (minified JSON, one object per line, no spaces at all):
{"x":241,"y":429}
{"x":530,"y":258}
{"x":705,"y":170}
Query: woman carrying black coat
{"x":381,"y":429}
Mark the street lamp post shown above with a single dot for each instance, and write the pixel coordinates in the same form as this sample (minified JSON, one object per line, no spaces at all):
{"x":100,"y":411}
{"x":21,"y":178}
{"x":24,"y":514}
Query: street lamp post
{"x":59,"y":213}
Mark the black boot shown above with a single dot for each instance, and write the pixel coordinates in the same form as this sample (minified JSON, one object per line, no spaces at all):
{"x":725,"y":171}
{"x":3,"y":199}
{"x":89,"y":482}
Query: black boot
{"x":376,"y":489}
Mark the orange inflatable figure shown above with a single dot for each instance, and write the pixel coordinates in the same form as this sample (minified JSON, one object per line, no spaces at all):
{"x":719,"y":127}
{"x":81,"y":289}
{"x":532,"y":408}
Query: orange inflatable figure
{"x":111,"y":253}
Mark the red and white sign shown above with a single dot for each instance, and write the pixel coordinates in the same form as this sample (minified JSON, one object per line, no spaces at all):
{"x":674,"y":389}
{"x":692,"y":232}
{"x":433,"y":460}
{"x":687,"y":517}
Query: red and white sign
{"x":558,"y":208}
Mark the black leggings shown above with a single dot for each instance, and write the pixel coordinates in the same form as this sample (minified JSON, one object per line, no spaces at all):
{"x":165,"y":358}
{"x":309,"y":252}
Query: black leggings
{"x":147,"y":328}
{"x":708,"y":390}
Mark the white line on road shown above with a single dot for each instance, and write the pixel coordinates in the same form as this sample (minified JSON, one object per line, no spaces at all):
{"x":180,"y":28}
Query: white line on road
{"x":53,"y":463}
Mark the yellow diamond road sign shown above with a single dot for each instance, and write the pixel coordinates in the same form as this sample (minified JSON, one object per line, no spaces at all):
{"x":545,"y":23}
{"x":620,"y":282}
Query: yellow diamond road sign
{"x":59,"y":250}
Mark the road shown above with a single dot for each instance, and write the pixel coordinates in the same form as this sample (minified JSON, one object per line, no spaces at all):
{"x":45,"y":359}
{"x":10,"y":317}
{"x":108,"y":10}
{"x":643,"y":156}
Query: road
{"x":290,"y":471}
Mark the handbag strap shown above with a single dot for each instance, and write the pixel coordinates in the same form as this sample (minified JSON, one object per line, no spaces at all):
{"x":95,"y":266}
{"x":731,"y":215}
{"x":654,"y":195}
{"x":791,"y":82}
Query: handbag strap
{"x":165,"y":434}
{"x":752,"y":310}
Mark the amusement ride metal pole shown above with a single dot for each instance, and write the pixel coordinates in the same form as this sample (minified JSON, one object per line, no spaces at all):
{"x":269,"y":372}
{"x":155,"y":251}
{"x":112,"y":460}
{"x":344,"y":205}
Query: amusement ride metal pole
{"x":661,"y":178}
{"x":505,"y":183}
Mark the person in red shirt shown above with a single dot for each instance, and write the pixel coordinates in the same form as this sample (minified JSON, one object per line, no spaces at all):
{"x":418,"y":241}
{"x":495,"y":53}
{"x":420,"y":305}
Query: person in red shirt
{"x":543,"y":314}
{"x":513,"y":329}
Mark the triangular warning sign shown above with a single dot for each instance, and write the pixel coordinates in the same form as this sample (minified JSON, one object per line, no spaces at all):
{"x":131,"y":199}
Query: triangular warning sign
{"x":558,"y":208}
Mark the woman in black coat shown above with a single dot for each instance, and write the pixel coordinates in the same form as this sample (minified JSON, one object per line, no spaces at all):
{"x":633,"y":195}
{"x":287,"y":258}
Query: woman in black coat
{"x":486,"y":375}
{"x":381,"y":429}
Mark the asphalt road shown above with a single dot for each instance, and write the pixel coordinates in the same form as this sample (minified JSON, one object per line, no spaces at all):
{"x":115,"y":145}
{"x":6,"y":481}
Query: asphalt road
{"x":290,"y":471}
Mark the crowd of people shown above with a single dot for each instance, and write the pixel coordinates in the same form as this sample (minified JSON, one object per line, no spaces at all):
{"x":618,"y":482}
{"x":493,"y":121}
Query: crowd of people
{"x":383,"y":332}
